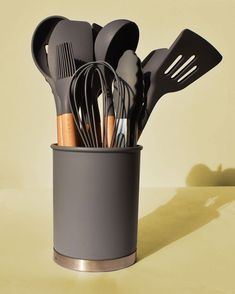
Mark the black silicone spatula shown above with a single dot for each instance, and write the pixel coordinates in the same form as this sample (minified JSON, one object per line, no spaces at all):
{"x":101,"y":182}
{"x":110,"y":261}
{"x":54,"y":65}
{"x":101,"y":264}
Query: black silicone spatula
{"x":70,"y":46}
{"x":130,"y":72}
{"x":189,"y":57}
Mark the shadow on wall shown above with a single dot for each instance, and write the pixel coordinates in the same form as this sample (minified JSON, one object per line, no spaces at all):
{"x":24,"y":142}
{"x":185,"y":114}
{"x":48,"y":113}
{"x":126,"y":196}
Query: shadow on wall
{"x":187,"y":211}
{"x":201,"y":175}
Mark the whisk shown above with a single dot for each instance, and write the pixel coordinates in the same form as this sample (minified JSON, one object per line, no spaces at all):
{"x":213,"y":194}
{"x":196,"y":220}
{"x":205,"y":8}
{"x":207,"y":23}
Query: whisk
{"x":87,"y":83}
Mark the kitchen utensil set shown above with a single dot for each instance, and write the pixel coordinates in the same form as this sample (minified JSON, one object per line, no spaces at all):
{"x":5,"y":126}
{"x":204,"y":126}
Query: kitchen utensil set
{"x":82,"y":62}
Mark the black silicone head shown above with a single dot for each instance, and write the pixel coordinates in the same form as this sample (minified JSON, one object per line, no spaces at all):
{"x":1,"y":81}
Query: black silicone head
{"x":114,"y":39}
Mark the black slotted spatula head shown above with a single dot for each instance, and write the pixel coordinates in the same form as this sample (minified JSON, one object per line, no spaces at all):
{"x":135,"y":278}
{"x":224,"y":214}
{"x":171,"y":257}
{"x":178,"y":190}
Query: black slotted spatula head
{"x":188,"y":58}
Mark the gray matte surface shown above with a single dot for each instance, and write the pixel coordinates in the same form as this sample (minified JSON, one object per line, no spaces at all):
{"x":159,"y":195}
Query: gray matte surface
{"x":95,"y":201}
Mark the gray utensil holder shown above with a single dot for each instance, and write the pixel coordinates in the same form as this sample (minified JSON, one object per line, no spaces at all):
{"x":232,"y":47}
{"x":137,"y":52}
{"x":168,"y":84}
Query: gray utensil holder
{"x":95,"y":207}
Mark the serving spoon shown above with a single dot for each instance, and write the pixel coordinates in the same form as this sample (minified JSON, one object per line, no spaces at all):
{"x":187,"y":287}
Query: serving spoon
{"x":39,"y":45}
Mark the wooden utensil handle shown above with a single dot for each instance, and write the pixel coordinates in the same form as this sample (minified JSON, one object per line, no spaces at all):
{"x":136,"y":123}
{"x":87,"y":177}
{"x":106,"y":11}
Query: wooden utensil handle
{"x":68,"y":130}
{"x":59,"y":130}
{"x":110,"y":125}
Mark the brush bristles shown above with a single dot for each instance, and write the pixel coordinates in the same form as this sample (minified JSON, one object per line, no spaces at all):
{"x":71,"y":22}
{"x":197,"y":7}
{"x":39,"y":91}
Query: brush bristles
{"x":65,"y":66}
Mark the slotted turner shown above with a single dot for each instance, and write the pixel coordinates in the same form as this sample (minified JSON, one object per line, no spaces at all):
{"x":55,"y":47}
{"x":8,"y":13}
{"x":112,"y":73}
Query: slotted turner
{"x":189,"y":57}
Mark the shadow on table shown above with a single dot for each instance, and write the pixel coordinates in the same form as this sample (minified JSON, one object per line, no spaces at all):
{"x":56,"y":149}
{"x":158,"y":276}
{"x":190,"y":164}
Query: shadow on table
{"x":187,"y":211}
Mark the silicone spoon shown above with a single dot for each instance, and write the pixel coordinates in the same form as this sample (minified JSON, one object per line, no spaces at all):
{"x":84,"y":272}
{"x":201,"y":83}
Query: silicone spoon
{"x":111,"y":42}
{"x":39,"y":42}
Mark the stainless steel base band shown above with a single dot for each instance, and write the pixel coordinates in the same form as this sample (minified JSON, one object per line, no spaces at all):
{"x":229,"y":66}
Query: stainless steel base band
{"x":85,"y":265}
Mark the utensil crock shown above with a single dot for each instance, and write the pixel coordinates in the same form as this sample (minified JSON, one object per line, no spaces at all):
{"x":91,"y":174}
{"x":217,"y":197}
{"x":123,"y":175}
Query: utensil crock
{"x":95,"y":207}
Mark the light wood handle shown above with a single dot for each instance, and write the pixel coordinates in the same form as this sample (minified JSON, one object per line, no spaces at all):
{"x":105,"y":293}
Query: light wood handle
{"x":68,"y":130}
{"x":59,"y":130}
{"x":110,"y":125}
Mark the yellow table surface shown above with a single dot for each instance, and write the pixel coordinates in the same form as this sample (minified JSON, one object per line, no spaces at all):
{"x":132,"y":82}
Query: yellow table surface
{"x":186,"y":245}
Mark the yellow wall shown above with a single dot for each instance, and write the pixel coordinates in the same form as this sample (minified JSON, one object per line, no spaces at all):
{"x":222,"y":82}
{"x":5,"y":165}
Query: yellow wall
{"x":188,"y":128}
